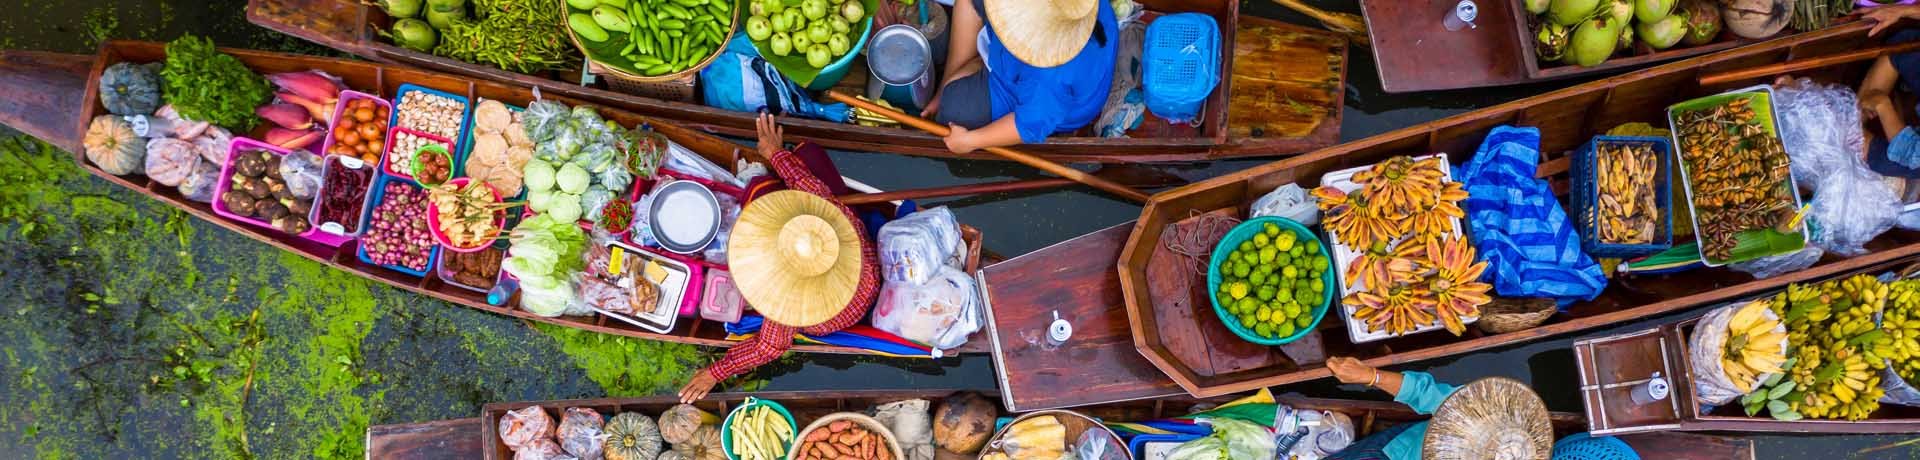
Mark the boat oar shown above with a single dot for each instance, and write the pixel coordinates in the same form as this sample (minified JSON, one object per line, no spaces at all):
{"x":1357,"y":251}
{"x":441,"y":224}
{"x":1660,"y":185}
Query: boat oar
{"x":1808,"y":63}
{"x":1131,"y":176}
{"x":1002,"y":152}
{"x":1347,"y":24}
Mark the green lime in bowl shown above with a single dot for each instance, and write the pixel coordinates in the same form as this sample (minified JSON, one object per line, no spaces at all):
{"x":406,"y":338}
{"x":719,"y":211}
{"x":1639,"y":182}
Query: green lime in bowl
{"x":1271,"y":280}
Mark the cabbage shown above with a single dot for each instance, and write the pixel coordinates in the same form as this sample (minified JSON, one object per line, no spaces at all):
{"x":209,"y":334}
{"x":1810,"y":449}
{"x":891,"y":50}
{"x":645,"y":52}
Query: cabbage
{"x":1243,"y":439}
{"x":546,"y":302}
{"x":596,"y":197}
{"x":572,"y":179}
{"x":1207,"y":448}
{"x":539,"y":175}
{"x":564,"y":207}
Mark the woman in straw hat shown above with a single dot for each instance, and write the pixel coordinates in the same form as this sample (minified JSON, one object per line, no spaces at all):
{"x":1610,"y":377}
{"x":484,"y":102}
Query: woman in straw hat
{"x":1491,"y":418}
{"x":799,"y":258}
{"x":1020,"y":70}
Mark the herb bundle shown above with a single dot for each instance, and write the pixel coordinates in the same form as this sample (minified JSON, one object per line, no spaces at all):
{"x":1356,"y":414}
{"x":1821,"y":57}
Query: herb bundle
{"x":206,"y":85}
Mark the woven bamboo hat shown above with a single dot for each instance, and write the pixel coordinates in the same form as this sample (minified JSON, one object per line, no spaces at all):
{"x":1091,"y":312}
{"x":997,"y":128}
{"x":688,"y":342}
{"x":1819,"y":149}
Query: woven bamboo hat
{"x":1493,"y":418}
{"x":1043,"y":33}
{"x":795,"y":257}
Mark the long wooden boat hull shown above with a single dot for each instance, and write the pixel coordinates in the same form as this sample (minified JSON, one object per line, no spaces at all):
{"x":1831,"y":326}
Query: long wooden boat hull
{"x":471,"y":437}
{"x":1286,"y":85}
{"x":40,"y":91}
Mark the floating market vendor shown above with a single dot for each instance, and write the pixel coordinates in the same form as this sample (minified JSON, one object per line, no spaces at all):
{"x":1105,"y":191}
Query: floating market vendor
{"x":1895,"y":146}
{"x":1018,"y":71}
{"x":1494,"y":418}
{"x":800,"y":259}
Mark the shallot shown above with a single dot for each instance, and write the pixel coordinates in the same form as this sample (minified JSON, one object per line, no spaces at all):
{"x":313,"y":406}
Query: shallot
{"x":399,"y":234}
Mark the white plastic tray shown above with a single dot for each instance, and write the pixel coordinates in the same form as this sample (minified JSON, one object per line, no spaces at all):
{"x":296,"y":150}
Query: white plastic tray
{"x":1686,"y":180}
{"x":1343,"y":256}
{"x":665,"y":312}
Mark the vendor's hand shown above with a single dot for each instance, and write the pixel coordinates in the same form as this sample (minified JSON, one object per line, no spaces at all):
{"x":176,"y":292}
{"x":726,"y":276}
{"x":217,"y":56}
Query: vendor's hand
{"x":771,"y":135}
{"x":1884,"y":17}
{"x":703,"y":383}
{"x":933,"y":105}
{"x":1350,"y":370}
{"x":960,"y":140}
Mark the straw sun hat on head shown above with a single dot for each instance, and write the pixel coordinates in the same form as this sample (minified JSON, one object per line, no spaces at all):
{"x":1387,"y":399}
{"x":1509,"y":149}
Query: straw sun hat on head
{"x":1492,"y":418}
{"x":1043,"y":33}
{"x":795,"y":257}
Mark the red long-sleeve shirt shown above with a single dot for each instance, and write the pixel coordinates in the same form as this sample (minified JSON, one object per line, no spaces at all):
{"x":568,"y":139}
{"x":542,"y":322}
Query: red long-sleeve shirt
{"x":774,"y":339}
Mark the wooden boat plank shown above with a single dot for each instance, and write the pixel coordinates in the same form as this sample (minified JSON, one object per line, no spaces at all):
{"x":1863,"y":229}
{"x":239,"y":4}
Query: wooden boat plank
{"x":1193,"y":332}
{"x":1098,"y":362}
{"x":38,"y":94}
{"x":1414,"y":53}
{"x":350,"y":26}
{"x":376,"y":79}
{"x":1690,"y":446}
{"x":1604,"y":362}
{"x":1288,"y":86}
{"x":437,"y":440}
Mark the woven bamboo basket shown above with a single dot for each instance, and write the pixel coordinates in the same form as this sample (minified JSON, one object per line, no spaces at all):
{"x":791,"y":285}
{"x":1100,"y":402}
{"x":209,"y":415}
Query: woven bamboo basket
{"x":1508,"y":314}
{"x":677,"y":86}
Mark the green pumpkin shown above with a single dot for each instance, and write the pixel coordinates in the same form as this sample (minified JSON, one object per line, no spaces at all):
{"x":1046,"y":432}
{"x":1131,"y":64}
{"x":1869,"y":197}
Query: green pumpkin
{"x":632,"y":436}
{"x":130,"y":89}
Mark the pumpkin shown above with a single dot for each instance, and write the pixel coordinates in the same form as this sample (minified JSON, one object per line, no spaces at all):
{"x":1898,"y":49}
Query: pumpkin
{"x":672,"y":455}
{"x":678,"y":423}
{"x":705,"y":445}
{"x":580,"y":432}
{"x":113,"y":147}
{"x":521,"y":428}
{"x":129,"y":89}
{"x":632,"y":436}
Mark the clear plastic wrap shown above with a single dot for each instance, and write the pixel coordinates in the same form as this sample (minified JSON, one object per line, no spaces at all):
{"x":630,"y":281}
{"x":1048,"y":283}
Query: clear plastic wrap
{"x":729,"y":212}
{"x":1710,"y":384}
{"x":912,"y":425}
{"x":940,"y":313}
{"x":543,"y":118}
{"x":520,"y":428}
{"x":1820,"y":128}
{"x":580,"y":432}
{"x":301,"y":171}
{"x":1771,"y":266}
{"x":594,"y":200}
{"x":199,"y":185}
{"x":214,"y":144}
{"x":914,"y":247}
{"x":542,"y":449}
{"x":170,"y":161}
{"x":1289,"y":201}
{"x":1098,"y":445}
{"x":686,"y":162}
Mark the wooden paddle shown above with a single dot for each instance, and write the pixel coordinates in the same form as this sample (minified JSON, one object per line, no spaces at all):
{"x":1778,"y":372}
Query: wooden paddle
{"x":1808,"y":63}
{"x":1003,"y":152}
{"x":1129,"y":175}
{"x":1353,"y":27}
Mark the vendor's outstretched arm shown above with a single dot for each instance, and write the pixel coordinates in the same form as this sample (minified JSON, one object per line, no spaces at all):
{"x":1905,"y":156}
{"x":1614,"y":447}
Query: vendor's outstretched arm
{"x":1001,"y":133}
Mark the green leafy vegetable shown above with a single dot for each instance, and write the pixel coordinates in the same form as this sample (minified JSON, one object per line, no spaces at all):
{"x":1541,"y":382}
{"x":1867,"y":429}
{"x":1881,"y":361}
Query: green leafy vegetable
{"x":546,"y":252}
{"x":207,"y":85}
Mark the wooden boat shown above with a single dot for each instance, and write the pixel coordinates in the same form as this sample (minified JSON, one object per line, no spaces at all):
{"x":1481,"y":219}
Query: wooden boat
{"x":1612,"y":366}
{"x":1499,"y":51}
{"x":475,"y":437}
{"x":42,"y":91}
{"x":1286,"y":87}
{"x":1122,"y":323}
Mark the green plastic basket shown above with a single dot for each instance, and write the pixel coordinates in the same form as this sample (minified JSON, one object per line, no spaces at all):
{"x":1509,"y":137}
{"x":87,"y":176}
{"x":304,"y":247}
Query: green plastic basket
{"x":1244,"y":232}
{"x":413,"y":168}
{"x":726,"y":426}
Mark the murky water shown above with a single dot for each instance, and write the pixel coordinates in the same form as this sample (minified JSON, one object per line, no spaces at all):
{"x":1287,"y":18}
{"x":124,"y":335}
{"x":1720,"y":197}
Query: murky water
{"x":131,"y":330}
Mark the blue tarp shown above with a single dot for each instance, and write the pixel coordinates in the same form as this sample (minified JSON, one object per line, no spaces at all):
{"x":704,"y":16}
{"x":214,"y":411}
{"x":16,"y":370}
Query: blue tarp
{"x":1519,"y":228}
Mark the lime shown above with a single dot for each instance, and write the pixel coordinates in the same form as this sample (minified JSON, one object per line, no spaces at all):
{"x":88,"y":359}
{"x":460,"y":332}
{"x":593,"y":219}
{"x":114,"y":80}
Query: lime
{"x":1298,"y":251}
{"x":1271,"y":229}
{"x":1320,"y":262}
{"x":1267,"y":254}
{"x":1317,"y":285}
{"x":1245,"y":319}
{"x":1247,"y":256}
{"x":1285,"y":241}
{"x":1283,"y":259}
{"x":1246,"y":245}
{"x":1241,"y":271}
{"x":1286,"y":329}
{"x":1257,"y":278}
{"x":1302,"y":321}
{"x":1239,"y":290}
{"x":1225,"y":298}
{"x":1313,"y":249}
{"x":1264,"y":293}
{"x":1263,"y":330}
{"x":1260,"y":239}
{"x":1247,"y":304}
{"x":1290,"y":272}
{"x":1306,"y":297}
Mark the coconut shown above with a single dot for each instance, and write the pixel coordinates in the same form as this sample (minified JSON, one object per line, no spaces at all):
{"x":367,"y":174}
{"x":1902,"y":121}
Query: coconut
{"x":1538,"y":6}
{"x":1622,"y":10}
{"x":1664,"y":33}
{"x":1594,"y":41}
{"x":1550,"y":44}
{"x":1703,"y":21}
{"x":1571,"y":12}
{"x":963,"y":423}
{"x":1757,"y":19}
{"x":1651,"y":11}
{"x":1625,"y":42}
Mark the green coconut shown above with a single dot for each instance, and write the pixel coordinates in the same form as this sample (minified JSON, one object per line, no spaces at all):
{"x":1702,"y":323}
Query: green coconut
{"x":1625,"y":42}
{"x":1550,"y":44}
{"x":1664,"y":33}
{"x":1621,"y":10}
{"x":1571,"y":12}
{"x":1651,"y":11}
{"x":1534,"y":6}
{"x":1703,"y":21}
{"x":1594,"y":41}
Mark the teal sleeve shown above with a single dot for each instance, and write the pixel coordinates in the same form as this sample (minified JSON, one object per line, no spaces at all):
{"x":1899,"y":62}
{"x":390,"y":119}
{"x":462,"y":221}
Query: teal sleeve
{"x":1419,"y":391}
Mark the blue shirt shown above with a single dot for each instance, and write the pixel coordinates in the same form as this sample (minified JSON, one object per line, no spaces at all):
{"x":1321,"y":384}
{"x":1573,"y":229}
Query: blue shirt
{"x":1058,"y":99}
{"x":1419,"y":391}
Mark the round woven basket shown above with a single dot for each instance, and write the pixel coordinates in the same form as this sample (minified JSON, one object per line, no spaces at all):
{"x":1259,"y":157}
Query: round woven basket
{"x":893,"y":445}
{"x":1508,"y":314}
{"x":617,"y":73}
{"x":1076,"y":424}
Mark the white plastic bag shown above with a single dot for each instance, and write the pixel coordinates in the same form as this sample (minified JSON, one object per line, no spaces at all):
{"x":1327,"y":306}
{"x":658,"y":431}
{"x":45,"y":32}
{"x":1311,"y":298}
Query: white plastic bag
{"x":301,"y":171}
{"x":912,"y":425}
{"x":716,"y":251}
{"x":940,"y":313}
{"x":1708,"y":342}
{"x":1098,"y":445}
{"x":1820,"y":128}
{"x":914,"y":247}
{"x":1771,"y":266}
{"x":1289,"y":201}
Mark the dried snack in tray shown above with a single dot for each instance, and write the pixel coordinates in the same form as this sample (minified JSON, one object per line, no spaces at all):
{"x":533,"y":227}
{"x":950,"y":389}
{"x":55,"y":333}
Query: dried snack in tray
{"x":603,"y":294}
{"x":1627,"y":210}
{"x":521,"y":427}
{"x":1738,"y":171}
{"x":580,"y":432}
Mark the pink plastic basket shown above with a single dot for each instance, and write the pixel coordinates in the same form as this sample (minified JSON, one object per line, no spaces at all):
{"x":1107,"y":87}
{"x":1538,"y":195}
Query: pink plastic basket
{"x":387,"y":166}
{"x":433,"y":220}
{"x":326,"y":147}
{"x":241,"y":144}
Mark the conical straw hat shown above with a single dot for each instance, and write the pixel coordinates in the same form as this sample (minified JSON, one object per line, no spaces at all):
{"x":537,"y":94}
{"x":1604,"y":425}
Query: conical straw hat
{"x":1493,"y":418}
{"x":1043,"y":33}
{"x":795,"y":257}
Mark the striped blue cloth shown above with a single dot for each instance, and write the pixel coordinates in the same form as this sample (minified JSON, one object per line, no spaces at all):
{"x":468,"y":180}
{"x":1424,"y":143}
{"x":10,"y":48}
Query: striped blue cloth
{"x":1519,"y":228}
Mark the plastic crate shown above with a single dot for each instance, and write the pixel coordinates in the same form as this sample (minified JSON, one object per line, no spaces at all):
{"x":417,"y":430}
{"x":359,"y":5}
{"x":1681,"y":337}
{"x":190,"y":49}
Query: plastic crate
{"x":340,"y":109}
{"x":453,"y":142}
{"x":375,"y":196}
{"x":1585,"y":198}
{"x":1139,"y":443}
{"x":466,"y":149}
{"x":1180,"y":64}
{"x":334,"y":228}
{"x":242,"y":144}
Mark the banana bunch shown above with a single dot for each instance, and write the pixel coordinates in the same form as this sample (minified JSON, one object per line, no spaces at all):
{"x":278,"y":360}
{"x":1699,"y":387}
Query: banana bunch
{"x":1838,"y":350}
{"x":1755,"y":345}
{"x":864,"y":117}
{"x":1847,"y":389}
{"x":1902,"y":325}
{"x":1037,"y":437}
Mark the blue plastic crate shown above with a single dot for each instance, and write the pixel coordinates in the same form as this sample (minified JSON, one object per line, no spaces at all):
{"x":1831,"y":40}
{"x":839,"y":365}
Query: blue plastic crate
{"x":1139,"y":443}
{"x":374,"y":197}
{"x":1180,"y":64}
{"x":1585,"y":199}
{"x":459,"y":141}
